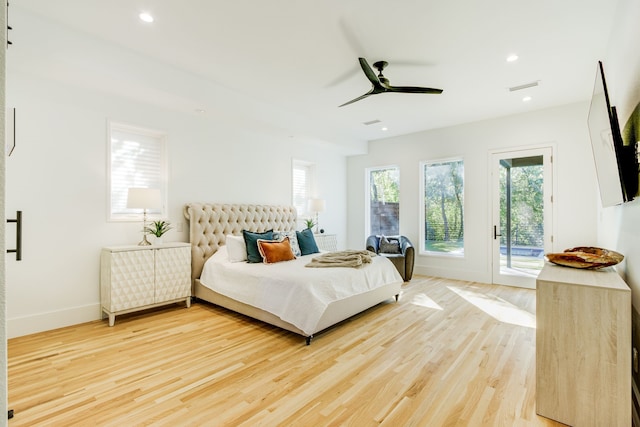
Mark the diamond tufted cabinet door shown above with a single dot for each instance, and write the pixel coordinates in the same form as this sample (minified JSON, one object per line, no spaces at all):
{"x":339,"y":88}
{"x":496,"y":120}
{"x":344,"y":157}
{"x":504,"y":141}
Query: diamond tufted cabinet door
{"x":173,"y":273}
{"x":134,"y":278}
{"x":126,"y":280}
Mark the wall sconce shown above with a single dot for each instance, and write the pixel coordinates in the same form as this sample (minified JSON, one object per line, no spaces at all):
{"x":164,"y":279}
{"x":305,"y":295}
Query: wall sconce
{"x":144,"y":198}
{"x":316,"y":205}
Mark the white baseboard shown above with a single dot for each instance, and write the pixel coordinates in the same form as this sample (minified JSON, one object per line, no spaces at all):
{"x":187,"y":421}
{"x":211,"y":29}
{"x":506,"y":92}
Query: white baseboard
{"x":40,"y":322}
{"x":471,"y":276}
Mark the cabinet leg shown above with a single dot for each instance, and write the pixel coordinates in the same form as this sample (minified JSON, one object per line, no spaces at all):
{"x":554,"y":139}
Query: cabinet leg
{"x":112,"y":319}
{"x":188,"y":302}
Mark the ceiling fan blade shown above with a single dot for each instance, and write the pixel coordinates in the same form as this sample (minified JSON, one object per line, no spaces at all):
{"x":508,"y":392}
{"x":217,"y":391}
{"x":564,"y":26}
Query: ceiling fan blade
{"x":357,"y":99}
{"x":369,"y":72}
{"x":413,"y":89}
{"x":381,"y":84}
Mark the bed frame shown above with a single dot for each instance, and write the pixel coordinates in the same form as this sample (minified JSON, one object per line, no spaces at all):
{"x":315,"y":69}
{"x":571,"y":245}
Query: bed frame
{"x":208,"y":226}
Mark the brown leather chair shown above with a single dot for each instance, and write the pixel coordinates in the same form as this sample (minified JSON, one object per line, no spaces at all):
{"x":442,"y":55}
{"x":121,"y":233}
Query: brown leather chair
{"x":403,"y":259}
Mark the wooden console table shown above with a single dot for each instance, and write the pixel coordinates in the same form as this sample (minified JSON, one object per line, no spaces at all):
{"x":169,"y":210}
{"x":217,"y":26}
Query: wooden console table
{"x":583,"y":347}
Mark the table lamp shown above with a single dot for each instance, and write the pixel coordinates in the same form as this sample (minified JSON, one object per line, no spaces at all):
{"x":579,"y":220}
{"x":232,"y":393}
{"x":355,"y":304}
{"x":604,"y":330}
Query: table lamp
{"x":144,"y":198}
{"x":316,"y":205}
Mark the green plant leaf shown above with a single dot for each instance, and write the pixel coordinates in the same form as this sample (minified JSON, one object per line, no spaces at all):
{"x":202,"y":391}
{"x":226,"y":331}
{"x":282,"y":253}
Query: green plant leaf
{"x":158,"y":228}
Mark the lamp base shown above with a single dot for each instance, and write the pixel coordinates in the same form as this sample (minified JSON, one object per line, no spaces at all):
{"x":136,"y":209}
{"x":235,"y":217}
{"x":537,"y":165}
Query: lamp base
{"x":144,"y":241}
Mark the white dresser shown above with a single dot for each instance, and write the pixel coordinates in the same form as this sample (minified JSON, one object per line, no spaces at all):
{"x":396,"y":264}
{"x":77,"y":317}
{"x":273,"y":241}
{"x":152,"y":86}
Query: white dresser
{"x":134,"y":278}
{"x":583,"y":347}
{"x":326,"y":242}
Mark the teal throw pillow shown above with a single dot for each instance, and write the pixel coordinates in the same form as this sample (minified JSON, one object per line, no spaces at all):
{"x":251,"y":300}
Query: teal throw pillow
{"x":251,"y":240}
{"x":307,"y":242}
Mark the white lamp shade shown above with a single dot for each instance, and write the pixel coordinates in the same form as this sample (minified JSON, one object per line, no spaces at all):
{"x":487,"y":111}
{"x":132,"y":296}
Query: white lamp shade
{"x":144,"y":198}
{"x":316,"y":205}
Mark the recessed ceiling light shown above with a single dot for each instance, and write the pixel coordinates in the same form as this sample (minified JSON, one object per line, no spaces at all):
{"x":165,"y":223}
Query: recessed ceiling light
{"x":200,"y":110}
{"x":384,"y":129}
{"x":512,"y":58}
{"x":146,"y":17}
{"x":526,"y":99}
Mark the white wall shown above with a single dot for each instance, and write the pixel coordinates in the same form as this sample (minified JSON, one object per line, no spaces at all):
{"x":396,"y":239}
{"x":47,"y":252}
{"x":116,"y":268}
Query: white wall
{"x":58,"y":173}
{"x":564,"y":127}
{"x":619,"y":226}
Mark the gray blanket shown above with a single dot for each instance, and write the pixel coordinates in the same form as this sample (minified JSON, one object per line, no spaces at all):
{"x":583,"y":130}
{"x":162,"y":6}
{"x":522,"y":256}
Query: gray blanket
{"x":349,"y":258}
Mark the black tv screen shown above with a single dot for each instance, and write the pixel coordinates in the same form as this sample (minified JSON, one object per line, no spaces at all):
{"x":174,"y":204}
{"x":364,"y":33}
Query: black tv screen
{"x":627,"y":159}
{"x":606,"y":142}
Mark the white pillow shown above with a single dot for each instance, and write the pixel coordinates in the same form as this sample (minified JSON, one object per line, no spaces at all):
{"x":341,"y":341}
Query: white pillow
{"x":236,"y":248}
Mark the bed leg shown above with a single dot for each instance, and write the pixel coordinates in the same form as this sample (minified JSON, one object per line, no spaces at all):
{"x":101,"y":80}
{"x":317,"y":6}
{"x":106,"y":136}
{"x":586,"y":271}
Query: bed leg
{"x":397,"y":297}
{"x":308,"y":339}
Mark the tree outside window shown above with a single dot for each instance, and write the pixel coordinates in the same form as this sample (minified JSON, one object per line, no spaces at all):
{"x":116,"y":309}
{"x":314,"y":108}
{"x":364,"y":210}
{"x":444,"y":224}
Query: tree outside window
{"x":525,"y":207}
{"x":443,"y":203}
{"x":384,"y":201}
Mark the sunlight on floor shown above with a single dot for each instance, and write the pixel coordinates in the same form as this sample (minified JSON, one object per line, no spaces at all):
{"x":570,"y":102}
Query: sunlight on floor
{"x":424,"y":301}
{"x":497,"y":308}
{"x":515,"y":271}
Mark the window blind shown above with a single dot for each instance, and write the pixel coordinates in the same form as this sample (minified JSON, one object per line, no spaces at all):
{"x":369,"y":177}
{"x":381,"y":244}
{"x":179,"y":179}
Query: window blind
{"x":137,"y":159}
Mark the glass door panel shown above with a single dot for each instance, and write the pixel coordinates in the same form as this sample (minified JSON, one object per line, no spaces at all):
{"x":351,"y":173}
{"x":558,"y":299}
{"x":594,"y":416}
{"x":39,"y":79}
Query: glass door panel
{"x":521,"y":215}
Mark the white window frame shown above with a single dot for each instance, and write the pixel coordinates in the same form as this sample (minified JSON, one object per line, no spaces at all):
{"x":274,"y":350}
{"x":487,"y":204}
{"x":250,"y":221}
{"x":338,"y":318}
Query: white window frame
{"x":421,"y":244}
{"x":367,"y":199}
{"x":160,"y":181}
{"x":301,"y":203}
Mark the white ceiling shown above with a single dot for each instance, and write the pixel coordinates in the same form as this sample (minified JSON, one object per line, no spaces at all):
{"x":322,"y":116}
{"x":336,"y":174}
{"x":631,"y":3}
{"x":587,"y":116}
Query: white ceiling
{"x":299,"y":58}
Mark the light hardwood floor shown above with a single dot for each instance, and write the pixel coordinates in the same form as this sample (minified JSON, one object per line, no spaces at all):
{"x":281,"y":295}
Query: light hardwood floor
{"x":449,"y":353}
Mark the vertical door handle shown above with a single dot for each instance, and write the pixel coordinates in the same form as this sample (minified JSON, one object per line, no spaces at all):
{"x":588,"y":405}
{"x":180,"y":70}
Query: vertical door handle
{"x":18,"y":249}
{"x":495,"y":232}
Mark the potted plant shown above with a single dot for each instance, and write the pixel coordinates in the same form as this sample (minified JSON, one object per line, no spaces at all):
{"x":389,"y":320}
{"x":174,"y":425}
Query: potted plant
{"x":158,"y":228}
{"x":309,"y":223}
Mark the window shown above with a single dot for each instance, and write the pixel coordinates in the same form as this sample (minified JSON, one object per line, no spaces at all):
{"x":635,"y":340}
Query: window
{"x":302,"y":185}
{"x":136,"y":159}
{"x":383,"y":211}
{"x":442,"y":216}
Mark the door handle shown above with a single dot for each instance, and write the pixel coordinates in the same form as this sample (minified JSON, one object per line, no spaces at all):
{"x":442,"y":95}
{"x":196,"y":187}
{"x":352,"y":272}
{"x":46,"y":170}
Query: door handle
{"x":18,"y":249}
{"x":495,"y":232}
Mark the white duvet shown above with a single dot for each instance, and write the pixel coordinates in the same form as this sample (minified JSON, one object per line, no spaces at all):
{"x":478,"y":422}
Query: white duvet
{"x":295,"y":293}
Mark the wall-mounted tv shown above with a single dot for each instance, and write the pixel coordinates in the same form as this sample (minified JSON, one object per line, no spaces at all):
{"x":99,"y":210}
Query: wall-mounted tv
{"x":616,"y":164}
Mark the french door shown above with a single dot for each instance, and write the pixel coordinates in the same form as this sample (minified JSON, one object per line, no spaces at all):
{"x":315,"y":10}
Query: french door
{"x":521,"y":214}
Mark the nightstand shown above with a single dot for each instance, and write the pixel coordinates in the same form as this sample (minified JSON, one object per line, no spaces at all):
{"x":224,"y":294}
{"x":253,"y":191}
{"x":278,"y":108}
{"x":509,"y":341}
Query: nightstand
{"x":135,"y":278}
{"x":326,"y":242}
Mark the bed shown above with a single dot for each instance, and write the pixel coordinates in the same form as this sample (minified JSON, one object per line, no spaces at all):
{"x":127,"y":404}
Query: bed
{"x":209,"y":224}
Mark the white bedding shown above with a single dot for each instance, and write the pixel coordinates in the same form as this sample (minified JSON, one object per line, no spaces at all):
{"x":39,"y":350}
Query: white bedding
{"x":291,"y":291}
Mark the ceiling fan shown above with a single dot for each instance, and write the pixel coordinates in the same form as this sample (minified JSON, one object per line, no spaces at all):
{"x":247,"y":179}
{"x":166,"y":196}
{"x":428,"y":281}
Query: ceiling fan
{"x":381,"y":83}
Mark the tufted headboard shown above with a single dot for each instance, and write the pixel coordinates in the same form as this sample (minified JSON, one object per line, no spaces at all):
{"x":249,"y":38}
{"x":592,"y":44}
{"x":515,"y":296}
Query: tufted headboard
{"x":209,"y":223}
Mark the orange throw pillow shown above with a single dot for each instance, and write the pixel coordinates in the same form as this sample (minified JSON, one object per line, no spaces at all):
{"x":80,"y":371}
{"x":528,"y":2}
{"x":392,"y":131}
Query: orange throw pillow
{"x":274,"y":251}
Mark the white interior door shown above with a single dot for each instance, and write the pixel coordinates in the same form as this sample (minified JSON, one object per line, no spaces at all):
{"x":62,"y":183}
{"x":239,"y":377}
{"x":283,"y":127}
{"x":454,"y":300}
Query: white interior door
{"x":522,"y":214}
